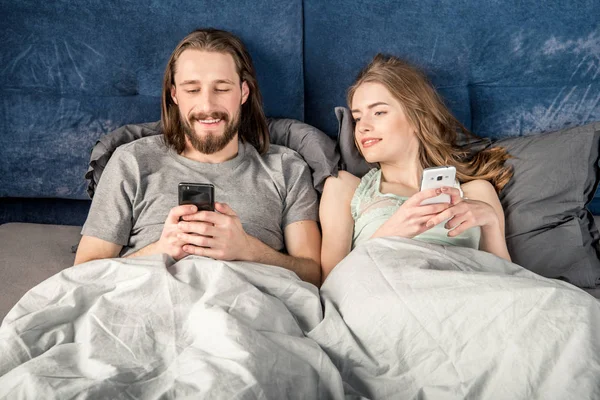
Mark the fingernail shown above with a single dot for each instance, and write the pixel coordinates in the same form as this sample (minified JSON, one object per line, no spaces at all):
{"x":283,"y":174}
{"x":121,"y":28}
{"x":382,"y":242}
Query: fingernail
{"x":429,"y":224}
{"x":444,"y":189}
{"x":438,"y":191}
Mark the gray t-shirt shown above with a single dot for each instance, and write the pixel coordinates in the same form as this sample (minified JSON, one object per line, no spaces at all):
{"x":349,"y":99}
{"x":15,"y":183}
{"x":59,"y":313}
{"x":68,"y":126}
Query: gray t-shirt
{"x":138,"y":188}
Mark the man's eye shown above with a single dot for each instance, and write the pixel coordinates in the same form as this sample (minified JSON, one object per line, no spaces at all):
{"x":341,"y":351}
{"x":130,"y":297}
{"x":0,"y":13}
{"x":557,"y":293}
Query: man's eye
{"x":222,"y":90}
{"x":356,"y":119}
{"x":192,"y":90}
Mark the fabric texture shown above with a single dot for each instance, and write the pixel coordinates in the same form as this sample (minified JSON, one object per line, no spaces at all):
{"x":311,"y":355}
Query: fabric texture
{"x":555,"y":177}
{"x":316,"y":148}
{"x":150,"y":328}
{"x":371,"y":208}
{"x":72,"y":73}
{"x":406,"y":319}
{"x":502,"y":70}
{"x":48,"y":247}
{"x":140,"y":186}
{"x":548,"y":228}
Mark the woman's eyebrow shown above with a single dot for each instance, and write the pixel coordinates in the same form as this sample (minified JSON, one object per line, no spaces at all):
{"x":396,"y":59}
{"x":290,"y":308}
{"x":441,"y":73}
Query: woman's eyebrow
{"x":379,"y":103}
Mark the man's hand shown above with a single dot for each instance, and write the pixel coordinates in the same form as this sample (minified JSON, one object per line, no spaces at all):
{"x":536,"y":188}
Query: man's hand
{"x":170,"y":242}
{"x":218,"y":235}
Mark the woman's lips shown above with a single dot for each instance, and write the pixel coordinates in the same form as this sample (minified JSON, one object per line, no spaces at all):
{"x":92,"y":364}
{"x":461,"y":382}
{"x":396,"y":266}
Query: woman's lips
{"x":368,"y":142}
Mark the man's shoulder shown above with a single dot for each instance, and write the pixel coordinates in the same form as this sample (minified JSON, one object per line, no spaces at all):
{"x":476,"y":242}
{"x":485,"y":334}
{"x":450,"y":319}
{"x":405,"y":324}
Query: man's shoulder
{"x":285,"y":154}
{"x":143,"y":147}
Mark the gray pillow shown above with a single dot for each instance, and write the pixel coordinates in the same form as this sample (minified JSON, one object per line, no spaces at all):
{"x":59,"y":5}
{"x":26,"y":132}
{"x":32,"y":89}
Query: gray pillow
{"x":549,"y":230}
{"x":318,"y":150}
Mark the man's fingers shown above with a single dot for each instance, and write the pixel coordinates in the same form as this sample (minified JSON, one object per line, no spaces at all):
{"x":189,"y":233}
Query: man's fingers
{"x":224,"y":208}
{"x":179,"y":212}
{"x":196,"y":240}
{"x":204,"y":216}
{"x":198,"y":227}
{"x":203,"y":251}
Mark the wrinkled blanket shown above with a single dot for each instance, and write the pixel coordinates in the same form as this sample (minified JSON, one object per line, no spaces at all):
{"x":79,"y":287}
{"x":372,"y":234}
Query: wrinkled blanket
{"x":154,"y":329}
{"x":409,"y":320}
{"x":403,"y":320}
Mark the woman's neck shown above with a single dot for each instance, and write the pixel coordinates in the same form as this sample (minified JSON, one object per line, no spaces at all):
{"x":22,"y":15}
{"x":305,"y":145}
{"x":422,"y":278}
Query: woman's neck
{"x":406,"y":172}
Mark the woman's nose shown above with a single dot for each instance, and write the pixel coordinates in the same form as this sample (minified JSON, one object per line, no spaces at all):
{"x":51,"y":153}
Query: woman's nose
{"x":363,"y":126}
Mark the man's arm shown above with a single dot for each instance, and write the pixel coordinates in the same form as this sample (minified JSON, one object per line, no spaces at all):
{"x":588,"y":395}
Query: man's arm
{"x":222,"y":237}
{"x":91,"y":248}
{"x":303,"y":243}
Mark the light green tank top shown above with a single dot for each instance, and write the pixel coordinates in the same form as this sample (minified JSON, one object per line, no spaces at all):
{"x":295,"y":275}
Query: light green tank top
{"x":371,"y":208}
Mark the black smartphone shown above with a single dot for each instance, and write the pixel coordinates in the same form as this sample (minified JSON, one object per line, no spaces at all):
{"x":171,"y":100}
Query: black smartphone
{"x":202,"y":195}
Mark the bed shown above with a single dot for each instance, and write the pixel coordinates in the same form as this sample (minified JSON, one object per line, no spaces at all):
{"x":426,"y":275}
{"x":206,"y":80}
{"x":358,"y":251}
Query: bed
{"x":396,"y":318}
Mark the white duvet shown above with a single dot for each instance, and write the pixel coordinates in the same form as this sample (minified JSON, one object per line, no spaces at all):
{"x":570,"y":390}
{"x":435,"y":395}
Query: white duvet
{"x":146,"y":329}
{"x":409,"y":320}
{"x":403,"y":320}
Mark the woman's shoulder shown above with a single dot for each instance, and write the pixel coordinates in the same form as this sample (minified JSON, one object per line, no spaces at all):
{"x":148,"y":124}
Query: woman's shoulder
{"x":478,"y":189}
{"x":345,"y":181}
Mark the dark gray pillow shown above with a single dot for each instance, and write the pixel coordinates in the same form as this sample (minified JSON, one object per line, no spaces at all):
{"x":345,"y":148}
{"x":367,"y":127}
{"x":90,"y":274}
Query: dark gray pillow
{"x":318,"y":150}
{"x":549,"y":230}
{"x":351,"y":160}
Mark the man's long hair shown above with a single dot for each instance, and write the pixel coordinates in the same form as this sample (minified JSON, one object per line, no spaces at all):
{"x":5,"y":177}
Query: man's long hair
{"x":253,"y":126}
{"x":436,"y":128}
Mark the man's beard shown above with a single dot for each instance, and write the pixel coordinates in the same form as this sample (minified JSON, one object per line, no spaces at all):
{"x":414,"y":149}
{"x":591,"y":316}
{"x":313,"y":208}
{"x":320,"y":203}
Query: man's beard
{"x":211,"y":143}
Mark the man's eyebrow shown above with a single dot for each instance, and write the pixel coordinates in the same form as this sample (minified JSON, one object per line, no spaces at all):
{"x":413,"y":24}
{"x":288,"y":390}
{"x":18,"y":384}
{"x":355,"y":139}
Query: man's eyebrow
{"x":379,"y":103}
{"x":197,"y":82}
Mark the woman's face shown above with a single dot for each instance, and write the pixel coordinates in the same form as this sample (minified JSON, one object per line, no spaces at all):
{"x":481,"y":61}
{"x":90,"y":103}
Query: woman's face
{"x":382,"y":131}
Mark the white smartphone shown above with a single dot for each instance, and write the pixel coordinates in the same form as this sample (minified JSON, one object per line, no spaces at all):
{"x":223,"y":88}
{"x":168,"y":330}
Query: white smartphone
{"x":436,"y":177}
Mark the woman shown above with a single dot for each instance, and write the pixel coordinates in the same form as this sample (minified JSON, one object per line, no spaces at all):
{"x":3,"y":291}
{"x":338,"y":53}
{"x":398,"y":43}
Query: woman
{"x":402,"y":125}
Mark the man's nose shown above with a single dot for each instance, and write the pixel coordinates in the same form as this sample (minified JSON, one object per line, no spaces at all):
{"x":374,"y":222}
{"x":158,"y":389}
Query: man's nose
{"x":206,"y":102}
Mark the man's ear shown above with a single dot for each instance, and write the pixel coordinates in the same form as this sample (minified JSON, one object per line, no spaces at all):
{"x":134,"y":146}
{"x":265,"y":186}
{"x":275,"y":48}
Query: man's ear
{"x":174,"y":94}
{"x":245,"y":92}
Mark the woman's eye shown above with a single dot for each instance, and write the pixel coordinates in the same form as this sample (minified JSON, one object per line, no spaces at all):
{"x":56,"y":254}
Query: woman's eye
{"x":193,"y":91}
{"x":379,"y":113}
{"x":356,"y":119}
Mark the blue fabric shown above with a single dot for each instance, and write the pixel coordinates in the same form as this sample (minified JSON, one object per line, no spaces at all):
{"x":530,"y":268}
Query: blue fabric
{"x":504,"y":68}
{"x":43,"y":211}
{"x":72,"y":72}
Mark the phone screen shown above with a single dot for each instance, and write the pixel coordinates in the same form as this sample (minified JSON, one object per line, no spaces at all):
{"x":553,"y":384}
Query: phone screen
{"x":201,"y":195}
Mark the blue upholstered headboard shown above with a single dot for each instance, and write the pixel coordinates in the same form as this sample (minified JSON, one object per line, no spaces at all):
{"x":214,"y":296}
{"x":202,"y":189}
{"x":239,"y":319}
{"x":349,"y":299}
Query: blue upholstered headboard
{"x":72,"y":72}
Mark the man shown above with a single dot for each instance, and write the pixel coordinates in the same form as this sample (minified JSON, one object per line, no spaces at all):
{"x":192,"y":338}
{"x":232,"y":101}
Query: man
{"x":215,"y":131}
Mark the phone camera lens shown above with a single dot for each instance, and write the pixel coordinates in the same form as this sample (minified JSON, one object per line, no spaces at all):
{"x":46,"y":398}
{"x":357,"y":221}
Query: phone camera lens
{"x":439,"y":178}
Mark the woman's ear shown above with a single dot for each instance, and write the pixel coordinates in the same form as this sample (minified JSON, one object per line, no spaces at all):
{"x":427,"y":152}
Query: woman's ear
{"x":245,"y":92}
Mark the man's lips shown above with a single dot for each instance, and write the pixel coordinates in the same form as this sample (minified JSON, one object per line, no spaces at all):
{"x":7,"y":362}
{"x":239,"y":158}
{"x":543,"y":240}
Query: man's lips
{"x":209,"y":121}
{"x":368,"y":142}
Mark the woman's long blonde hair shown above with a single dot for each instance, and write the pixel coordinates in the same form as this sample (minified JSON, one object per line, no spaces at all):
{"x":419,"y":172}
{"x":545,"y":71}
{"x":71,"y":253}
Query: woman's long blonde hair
{"x":436,"y":128}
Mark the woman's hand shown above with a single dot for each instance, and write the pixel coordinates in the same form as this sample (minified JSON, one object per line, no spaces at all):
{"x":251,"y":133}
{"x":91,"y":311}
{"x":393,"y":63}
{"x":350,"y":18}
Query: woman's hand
{"x":411,"y":218}
{"x":464,"y":214}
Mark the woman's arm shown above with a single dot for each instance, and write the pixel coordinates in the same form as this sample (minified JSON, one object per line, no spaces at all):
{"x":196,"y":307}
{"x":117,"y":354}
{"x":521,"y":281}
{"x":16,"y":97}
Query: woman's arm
{"x":336,"y":219}
{"x":481,"y":207}
{"x":492,"y":233}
